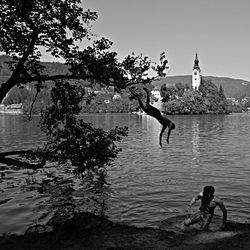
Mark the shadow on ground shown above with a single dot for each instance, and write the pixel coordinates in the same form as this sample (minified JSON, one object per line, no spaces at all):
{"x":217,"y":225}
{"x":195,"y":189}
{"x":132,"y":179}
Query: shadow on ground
{"x":87,"y":231}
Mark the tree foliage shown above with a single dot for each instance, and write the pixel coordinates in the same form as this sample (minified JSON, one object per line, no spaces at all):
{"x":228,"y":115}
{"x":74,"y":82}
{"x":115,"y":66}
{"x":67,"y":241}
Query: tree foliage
{"x":30,"y":27}
{"x":215,"y":99}
{"x":170,"y":92}
{"x":27,"y":26}
{"x":190,"y":103}
{"x":88,"y":148}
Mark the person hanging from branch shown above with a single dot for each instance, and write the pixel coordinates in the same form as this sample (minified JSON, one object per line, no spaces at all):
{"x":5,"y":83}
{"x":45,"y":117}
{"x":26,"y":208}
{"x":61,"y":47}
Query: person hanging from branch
{"x":156,"y":113}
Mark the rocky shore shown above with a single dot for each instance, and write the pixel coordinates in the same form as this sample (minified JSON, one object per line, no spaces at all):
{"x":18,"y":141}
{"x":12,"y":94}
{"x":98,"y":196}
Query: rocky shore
{"x":87,"y":231}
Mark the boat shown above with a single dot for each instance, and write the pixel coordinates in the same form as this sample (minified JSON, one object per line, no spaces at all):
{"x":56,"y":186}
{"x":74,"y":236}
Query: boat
{"x":12,"y":109}
{"x":139,"y":112}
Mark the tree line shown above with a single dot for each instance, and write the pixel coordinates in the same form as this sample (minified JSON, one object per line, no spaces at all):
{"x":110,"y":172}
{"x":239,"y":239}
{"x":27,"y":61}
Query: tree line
{"x":181,"y":99}
{"x":176,"y":99}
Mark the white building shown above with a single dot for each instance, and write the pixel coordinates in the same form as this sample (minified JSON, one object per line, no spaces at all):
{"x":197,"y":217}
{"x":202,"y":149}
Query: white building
{"x":196,"y":74}
{"x":156,"y":92}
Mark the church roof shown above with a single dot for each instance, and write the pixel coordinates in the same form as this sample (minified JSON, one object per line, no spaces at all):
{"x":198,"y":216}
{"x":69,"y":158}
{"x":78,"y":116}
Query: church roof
{"x":196,"y":63}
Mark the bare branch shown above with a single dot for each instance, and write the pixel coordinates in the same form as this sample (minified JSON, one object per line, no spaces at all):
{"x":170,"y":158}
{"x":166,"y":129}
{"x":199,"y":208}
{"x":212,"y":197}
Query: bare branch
{"x":18,"y":152}
{"x":17,"y":162}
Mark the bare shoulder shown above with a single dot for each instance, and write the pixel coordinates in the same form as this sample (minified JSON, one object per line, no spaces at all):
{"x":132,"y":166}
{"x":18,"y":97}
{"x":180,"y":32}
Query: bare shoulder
{"x":199,"y":196}
{"x":218,"y":201}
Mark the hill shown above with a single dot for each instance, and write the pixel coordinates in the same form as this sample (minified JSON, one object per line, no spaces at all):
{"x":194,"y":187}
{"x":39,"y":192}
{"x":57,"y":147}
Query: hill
{"x":51,"y":68}
{"x":232,"y":87}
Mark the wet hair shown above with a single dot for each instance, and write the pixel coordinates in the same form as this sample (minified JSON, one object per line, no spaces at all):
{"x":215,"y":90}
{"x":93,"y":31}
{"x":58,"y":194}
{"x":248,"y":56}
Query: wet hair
{"x":208,"y":190}
{"x":205,"y":198}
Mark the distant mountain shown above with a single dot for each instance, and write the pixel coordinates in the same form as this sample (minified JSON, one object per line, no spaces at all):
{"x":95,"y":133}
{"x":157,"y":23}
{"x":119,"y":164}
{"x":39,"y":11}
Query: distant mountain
{"x":51,"y":68}
{"x":232,"y":87}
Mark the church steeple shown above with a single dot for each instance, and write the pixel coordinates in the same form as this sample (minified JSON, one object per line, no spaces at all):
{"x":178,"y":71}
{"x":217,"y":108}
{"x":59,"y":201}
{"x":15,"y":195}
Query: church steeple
{"x":196,"y":76}
{"x":196,"y":62}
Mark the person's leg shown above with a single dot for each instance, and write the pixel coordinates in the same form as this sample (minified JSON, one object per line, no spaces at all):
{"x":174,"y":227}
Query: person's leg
{"x":161,"y":133}
{"x":207,"y":221}
{"x":193,"y":219}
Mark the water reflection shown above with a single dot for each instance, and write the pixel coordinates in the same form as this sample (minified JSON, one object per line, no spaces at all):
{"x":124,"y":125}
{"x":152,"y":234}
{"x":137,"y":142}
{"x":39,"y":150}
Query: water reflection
{"x":195,"y":141}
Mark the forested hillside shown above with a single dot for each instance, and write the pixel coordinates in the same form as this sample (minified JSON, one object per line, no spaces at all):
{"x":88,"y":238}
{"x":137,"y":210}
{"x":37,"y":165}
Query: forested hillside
{"x":51,"y":68}
{"x":232,"y":87}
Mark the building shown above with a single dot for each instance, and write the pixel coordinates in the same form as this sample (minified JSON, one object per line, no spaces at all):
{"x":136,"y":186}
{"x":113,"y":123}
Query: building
{"x":196,"y":74}
{"x":233,"y":101}
{"x":245,"y":100}
{"x":16,"y":109}
{"x":116,"y":96}
{"x":156,"y":92}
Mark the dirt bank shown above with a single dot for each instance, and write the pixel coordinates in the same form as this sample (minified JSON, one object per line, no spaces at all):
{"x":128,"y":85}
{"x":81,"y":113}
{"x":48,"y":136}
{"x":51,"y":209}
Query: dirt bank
{"x":86,"y":231}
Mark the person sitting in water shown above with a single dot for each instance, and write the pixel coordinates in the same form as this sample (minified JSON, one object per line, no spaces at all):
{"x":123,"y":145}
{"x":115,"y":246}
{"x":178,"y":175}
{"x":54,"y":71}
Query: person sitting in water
{"x":156,"y":113}
{"x":205,"y":214}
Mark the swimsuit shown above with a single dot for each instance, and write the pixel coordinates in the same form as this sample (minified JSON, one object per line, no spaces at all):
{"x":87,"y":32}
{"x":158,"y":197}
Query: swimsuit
{"x":206,"y":211}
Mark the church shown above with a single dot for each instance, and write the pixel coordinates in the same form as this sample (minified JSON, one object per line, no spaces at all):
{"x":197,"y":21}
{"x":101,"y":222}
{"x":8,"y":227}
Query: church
{"x":196,"y":74}
{"x":195,"y":81}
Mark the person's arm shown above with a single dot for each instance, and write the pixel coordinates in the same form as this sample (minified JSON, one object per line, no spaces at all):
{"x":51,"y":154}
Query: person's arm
{"x":224,"y":211}
{"x":169,"y":132}
{"x":192,"y":202}
{"x":138,"y":99}
{"x":148,"y":95}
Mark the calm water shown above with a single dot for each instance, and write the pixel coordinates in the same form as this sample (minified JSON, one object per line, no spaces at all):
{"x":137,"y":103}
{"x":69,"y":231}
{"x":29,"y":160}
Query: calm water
{"x":149,"y":183}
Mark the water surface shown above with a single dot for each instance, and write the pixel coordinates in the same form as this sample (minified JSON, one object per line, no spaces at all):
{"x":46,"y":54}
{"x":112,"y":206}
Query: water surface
{"x":149,"y":183}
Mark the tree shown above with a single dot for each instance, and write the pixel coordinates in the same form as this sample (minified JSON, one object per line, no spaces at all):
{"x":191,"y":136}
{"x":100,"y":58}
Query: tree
{"x":180,"y":88}
{"x":223,"y":104}
{"x":221,"y":93}
{"x":215,"y":99}
{"x":27,"y":27}
{"x":179,"y":99}
{"x":190,"y":103}
{"x":167,"y":92}
{"x":89,"y":149}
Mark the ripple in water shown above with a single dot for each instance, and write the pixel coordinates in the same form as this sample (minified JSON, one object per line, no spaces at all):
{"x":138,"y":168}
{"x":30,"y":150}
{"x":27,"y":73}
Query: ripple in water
{"x":149,"y":184}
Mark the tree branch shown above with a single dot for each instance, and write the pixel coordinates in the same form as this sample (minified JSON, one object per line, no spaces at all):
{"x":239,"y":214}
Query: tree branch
{"x":18,"y":152}
{"x":14,"y":79}
{"x":16,"y":162}
{"x":44,"y":78}
{"x":22,"y":164}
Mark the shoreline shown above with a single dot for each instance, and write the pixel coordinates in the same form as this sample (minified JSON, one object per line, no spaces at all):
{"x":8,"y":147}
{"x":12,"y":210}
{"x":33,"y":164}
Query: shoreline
{"x":88,"y":231}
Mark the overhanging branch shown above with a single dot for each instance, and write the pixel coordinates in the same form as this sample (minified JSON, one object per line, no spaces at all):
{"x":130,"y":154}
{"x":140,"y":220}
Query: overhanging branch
{"x":44,"y":78}
{"x":17,"y":162}
{"x":15,"y":77}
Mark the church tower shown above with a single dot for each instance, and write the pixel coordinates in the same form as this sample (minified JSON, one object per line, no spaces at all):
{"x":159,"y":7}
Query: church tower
{"x":196,"y":74}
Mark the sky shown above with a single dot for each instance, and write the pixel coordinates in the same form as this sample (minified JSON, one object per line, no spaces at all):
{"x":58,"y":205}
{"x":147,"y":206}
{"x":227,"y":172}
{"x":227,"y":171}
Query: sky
{"x":217,"y":29}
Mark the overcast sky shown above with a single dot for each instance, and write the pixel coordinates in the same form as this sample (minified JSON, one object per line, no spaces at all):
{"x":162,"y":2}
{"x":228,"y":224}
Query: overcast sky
{"x":218,"y":29}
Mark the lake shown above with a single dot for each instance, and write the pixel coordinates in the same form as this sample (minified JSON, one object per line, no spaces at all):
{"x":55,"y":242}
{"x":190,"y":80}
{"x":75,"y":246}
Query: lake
{"x":148,"y":184}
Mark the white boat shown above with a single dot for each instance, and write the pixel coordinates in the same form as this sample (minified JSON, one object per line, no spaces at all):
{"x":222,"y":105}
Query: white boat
{"x":12,"y":109}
